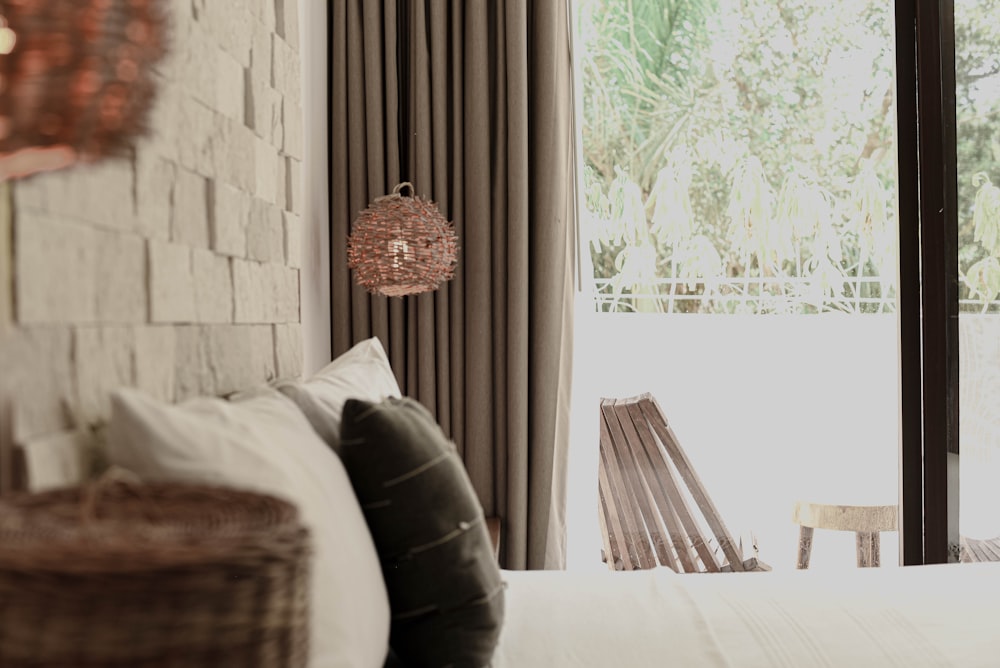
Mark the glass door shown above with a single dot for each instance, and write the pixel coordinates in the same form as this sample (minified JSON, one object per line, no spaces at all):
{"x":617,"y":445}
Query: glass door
{"x":741,"y":163}
{"x":739,"y":230}
{"x":977,"y":110}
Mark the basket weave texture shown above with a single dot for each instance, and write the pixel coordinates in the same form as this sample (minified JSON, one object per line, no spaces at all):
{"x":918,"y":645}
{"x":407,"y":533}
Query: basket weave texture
{"x":117,"y":574}
{"x":402,"y":246}
{"x":79,"y":73}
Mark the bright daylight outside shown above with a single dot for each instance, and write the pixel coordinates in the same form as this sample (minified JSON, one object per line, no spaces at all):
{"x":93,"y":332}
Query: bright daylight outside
{"x":738,"y":243}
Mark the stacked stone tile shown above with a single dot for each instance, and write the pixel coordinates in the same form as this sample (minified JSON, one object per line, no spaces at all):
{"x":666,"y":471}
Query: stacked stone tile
{"x":176,"y":271}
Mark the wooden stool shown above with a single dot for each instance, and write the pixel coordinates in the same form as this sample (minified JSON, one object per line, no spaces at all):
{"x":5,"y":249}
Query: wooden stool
{"x":866,"y":521}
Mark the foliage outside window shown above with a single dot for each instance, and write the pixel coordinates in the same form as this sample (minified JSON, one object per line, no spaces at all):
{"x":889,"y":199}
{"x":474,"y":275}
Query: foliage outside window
{"x":739,"y":156}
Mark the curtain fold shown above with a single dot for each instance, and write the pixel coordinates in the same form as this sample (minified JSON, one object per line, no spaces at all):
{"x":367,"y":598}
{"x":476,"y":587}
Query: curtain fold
{"x":469,"y":101}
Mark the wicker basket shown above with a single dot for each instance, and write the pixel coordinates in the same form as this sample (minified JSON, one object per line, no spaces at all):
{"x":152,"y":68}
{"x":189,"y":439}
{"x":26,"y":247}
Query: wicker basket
{"x":119,"y":574}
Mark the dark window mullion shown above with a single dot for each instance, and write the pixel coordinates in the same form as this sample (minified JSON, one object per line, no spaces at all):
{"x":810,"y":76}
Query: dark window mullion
{"x":928,"y":266}
{"x":937,"y":183}
{"x":911,"y":521}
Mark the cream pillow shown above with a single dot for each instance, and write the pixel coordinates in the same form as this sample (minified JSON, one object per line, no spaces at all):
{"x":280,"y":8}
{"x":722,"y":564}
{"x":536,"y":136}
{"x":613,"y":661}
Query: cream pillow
{"x":262,"y":442}
{"x":363,"y":372}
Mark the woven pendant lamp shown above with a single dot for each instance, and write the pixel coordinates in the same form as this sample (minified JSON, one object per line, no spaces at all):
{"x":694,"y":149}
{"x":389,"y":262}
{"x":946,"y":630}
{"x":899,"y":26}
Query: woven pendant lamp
{"x":402,"y":245}
{"x":75,"y":79}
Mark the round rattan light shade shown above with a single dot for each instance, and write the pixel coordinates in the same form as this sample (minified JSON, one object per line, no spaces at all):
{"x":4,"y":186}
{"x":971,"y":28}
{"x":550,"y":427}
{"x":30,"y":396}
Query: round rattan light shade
{"x":402,"y":245}
{"x":76,"y":79}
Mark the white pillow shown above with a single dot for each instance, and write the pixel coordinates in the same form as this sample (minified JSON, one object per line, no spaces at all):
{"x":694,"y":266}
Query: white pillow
{"x":262,"y":442}
{"x":363,"y":372}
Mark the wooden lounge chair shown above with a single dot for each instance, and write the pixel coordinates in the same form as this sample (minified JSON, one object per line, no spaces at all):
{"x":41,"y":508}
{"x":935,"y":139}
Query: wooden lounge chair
{"x":647,"y":519}
{"x":975,"y":549}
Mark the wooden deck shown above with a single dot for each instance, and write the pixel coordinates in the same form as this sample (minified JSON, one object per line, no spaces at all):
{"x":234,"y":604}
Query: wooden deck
{"x":974,"y":549}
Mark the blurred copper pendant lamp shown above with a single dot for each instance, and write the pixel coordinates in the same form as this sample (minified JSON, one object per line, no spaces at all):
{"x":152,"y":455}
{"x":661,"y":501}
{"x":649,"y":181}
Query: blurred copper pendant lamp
{"x":75,"y":79}
{"x":402,"y":245}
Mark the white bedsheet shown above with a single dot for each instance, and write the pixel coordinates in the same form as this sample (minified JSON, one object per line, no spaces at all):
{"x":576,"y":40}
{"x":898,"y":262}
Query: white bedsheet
{"x":908,"y":617}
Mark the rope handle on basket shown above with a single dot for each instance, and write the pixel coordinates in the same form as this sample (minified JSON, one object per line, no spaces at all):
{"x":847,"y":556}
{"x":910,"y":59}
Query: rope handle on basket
{"x":397,"y":192}
{"x":93,"y":491}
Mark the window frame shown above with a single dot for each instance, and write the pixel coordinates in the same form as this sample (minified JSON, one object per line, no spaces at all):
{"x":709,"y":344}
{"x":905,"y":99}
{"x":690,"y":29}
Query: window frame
{"x":928,"y":285}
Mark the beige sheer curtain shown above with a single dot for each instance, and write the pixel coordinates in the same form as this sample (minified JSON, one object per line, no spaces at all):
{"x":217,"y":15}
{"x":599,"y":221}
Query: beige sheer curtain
{"x":470,"y":101}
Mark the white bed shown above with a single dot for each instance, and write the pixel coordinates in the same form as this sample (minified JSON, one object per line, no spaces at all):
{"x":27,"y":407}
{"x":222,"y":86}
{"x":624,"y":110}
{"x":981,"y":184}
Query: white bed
{"x":907,"y":617}
{"x":945,"y":615}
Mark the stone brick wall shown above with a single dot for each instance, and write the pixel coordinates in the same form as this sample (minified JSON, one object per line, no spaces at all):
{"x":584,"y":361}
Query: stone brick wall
{"x":175,"y":270}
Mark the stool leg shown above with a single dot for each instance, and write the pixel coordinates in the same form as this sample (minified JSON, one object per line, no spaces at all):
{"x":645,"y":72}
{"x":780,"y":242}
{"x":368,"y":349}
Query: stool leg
{"x":805,"y":546}
{"x":868,"y":548}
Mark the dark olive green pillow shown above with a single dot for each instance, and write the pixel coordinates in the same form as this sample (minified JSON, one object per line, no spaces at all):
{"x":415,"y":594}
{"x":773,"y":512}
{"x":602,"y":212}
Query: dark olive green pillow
{"x":443,"y":581}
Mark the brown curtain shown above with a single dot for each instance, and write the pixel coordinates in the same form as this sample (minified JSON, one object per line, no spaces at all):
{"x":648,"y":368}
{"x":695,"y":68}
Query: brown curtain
{"x":470,"y":101}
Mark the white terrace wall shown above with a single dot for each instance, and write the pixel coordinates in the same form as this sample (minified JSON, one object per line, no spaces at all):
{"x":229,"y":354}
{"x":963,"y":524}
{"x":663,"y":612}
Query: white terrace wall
{"x":776,"y":409}
{"x":175,"y":270}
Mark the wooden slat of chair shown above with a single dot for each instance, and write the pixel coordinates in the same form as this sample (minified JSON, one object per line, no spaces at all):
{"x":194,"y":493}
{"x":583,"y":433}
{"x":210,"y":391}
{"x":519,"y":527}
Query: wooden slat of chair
{"x":618,"y":496}
{"x":620,"y":552}
{"x":610,"y":522}
{"x":967,"y":553}
{"x":993,"y":548}
{"x":692,"y":536}
{"x":685,"y":545}
{"x":636,"y":504}
{"x":622,"y":521}
{"x":638,"y":466}
{"x":982,"y":550}
{"x":639,"y":542}
{"x":974,"y":550}
{"x":608,"y":553}
{"x":656,"y":418}
{"x":665,"y":528}
{"x":661,"y":483}
{"x":977,"y":551}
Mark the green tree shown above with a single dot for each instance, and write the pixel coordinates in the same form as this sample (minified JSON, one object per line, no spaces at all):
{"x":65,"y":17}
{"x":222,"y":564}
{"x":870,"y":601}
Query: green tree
{"x":757,"y":85}
{"x":759,"y":136}
{"x":977,"y":100}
